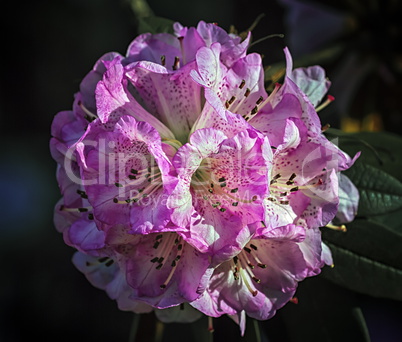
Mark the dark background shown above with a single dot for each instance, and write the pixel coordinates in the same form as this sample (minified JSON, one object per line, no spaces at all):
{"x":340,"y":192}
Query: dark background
{"x":49,"y":46}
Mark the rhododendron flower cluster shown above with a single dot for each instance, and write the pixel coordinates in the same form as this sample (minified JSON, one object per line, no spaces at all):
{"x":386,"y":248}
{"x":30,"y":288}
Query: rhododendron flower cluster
{"x":187,"y":188}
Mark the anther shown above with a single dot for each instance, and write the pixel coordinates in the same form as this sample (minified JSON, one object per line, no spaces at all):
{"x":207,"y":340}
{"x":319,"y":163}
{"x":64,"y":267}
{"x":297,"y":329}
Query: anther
{"x":118,"y":185}
{"x":341,"y":228}
{"x":154,"y":259}
{"x":260,"y":99}
{"x":278,"y":175}
{"x":253,"y":246}
{"x":222,"y":179}
{"x":82,"y":194}
{"x":284,"y":202}
{"x":248,"y":250}
{"x":90,"y":216}
{"x":82,"y":210}
{"x":294,"y":300}
{"x":256,"y":280}
{"x":247,"y":93}
{"x":325,"y":127}
{"x":294,"y":189}
{"x":109,"y":263}
{"x":233,"y":191}
{"x":235,"y":204}
{"x":232,"y":99}
{"x":176,"y":64}
{"x":163,"y":60}
{"x":254,"y":110}
{"x":242,"y":84}
{"x":227,"y":104}
{"x":222,"y":210}
{"x":134,"y":171}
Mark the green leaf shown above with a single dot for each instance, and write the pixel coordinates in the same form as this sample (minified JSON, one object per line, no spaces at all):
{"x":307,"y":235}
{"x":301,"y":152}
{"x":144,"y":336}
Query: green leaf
{"x":392,"y":220}
{"x":154,"y":25}
{"x":380,"y":193}
{"x":367,"y":258}
{"x":325,"y":312}
{"x":378,"y":149}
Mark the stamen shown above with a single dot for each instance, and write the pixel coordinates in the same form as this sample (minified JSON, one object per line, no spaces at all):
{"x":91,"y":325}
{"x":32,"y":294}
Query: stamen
{"x":247,"y":93}
{"x":329,"y":99}
{"x":325,"y":127}
{"x":277,"y":86}
{"x":163,"y":60}
{"x":248,"y":285}
{"x":173,"y":265}
{"x":89,"y":115}
{"x":75,"y":210}
{"x":210,"y":325}
{"x":242,"y":84}
{"x":341,"y":228}
{"x":182,"y":50}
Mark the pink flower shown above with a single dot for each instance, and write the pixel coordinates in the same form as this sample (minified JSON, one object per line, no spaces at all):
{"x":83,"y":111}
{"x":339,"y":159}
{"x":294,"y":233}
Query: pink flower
{"x":184,"y":182}
{"x":221,"y":185}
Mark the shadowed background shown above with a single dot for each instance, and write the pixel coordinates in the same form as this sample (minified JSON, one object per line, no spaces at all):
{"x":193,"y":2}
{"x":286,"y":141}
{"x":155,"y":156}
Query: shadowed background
{"x":49,"y":46}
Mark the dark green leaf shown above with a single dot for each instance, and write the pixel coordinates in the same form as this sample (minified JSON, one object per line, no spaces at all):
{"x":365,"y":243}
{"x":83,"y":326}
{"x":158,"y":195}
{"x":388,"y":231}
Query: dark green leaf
{"x":154,"y":25}
{"x":367,"y":258}
{"x":379,"y":149}
{"x":379,"y":192}
{"x":392,"y":220}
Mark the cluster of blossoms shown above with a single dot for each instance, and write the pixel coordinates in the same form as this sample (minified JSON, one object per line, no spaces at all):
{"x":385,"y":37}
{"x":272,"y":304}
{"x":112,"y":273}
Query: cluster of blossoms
{"x":187,"y":189}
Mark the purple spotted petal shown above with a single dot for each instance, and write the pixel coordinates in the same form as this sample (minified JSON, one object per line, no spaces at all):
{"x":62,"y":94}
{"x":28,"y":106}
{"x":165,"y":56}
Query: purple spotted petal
{"x":104,"y":273}
{"x":259,"y":280}
{"x":221,"y":184}
{"x":174,"y":98}
{"x":126,"y":174}
{"x":163,"y":270}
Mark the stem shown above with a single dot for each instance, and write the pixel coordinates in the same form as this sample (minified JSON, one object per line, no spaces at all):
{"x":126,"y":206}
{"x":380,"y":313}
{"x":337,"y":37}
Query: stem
{"x":159,"y":328}
{"x":134,"y":328}
{"x":257,"y":330}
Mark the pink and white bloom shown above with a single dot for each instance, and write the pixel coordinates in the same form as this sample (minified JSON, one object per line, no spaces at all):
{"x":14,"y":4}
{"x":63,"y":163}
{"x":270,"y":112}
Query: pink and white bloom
{"x":184,"y":182}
